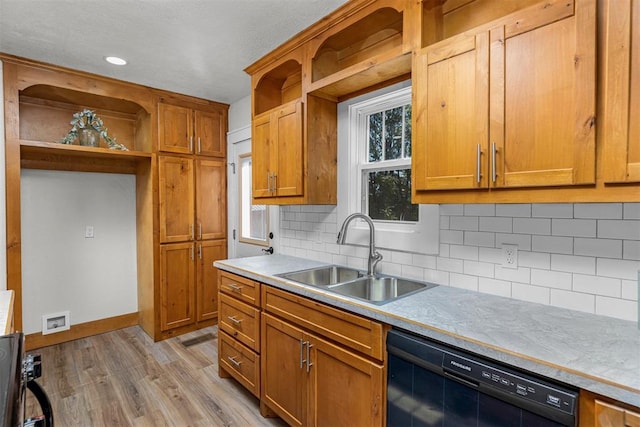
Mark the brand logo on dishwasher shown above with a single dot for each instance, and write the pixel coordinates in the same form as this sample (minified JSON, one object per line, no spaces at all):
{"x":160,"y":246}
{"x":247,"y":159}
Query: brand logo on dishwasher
{"x":460,"y":365}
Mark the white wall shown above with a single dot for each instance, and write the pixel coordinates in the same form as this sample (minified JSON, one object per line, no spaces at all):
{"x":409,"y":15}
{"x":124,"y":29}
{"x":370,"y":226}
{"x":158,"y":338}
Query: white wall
{"x":240,"y":114}
{"x":61,"y":269}
{"x":3,"y":211}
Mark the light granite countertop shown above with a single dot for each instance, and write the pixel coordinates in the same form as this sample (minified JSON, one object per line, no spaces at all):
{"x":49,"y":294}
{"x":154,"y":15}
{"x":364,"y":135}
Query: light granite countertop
{"x":591,"y":352}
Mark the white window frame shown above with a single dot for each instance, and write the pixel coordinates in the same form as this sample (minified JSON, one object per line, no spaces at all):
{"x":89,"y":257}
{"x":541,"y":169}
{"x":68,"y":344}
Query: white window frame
{"x":243,"y":205}
{"x":418,"y":237}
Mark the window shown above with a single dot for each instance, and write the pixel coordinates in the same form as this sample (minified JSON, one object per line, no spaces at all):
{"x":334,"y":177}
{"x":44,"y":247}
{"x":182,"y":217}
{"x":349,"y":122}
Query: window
{"x":253,"y":218}
{"x":374,"y":172}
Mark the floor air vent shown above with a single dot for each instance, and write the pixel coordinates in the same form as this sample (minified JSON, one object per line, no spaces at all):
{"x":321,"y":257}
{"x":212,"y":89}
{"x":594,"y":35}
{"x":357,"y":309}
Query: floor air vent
{"x":198,"y":340}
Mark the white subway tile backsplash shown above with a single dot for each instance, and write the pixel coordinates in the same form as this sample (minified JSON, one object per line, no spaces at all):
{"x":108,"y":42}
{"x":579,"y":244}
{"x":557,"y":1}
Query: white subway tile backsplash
{"x":597,"y":285}
{"x":573,"y":300}
{"x":474,"y":238}
{"x":606,"y":248}
{"x":463,"y":281}
{"x":614,"y":229}
{"x":573,"y":264}
{"x":463,"y":252}
{"x":532,"y":226}
{"x":598,"y":210}
{"x":497,"y":224}
{"x":525,"y":292}
{"x":514,"y":210}
{"x":581,"y":256}
{"x":614,"y":307}
{"x":465,"y":223}
{"x":495,"y":287}
{"x":552,"y":210}
{"x":631,"y":249}
{"x":551,"y":279}
{"x":573,"y":227}
{"x":631,"y":211}
{"x":621,"y":269}
{"x":480,"y":210}
{"x":534,"y":259}
{"x":552,"y":244}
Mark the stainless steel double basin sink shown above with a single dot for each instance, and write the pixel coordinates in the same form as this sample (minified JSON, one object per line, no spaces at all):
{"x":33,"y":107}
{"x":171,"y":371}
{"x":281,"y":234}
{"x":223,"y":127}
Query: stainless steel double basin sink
{"x":377,"y":289}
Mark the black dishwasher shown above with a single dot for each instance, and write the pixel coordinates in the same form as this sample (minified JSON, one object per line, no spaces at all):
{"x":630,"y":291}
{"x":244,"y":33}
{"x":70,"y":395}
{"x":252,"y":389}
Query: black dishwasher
{"x":430,"y":384}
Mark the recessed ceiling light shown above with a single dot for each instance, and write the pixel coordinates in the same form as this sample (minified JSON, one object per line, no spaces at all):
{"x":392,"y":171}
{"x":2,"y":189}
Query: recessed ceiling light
{"x":115,"y":60}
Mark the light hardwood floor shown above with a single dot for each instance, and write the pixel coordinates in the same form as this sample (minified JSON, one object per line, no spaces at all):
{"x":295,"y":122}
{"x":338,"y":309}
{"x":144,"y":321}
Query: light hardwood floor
{"x":123,"y":378}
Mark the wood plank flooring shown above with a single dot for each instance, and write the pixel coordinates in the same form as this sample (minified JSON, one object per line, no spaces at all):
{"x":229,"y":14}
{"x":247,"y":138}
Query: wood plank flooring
{"x":123,"y":378}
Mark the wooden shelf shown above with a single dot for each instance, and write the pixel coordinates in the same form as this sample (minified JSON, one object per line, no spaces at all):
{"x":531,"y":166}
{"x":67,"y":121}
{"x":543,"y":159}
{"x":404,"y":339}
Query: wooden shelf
{"x":54,"y":156}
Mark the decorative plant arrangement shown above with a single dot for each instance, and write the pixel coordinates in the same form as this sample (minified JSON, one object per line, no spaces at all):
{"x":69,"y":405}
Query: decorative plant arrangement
{"x":88,"y":128}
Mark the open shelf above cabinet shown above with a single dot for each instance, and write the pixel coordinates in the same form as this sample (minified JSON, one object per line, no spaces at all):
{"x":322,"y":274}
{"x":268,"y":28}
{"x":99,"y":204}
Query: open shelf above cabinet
{"x":45,"y":113}
{"x":278,"y":86}
{"x":54,"y":156}
{"x":361,"y":55}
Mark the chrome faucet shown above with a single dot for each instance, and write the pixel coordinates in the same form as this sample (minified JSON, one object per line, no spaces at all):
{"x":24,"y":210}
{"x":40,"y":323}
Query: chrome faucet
{"x":374,"y":256}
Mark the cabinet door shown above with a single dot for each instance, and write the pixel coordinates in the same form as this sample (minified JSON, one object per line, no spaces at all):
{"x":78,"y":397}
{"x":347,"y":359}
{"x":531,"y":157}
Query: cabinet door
{"x":290,"y":166}
{"x":211,"y":199}
{"x":210,"y":131}
{"x":207,"y":277}
{"x":177,"y":285}
{"x":175,"y":128}
{"x":542,"y":92}
{"x":344,"y":389}
{"x":621,"y":99}
{"x":283,"y":377}
{"x":176,"y":199}
{"x":451,"y":110}
{"x":263,"y":156}
{"x":608,"y":415}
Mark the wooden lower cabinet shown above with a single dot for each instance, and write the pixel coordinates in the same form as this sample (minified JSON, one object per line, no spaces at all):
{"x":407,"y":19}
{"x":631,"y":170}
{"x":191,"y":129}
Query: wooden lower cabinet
{"x":188,"y":282}
{"x":598,"y":411}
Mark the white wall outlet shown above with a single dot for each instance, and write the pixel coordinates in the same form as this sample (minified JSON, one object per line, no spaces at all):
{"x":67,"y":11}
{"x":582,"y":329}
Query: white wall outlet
{"x":55,"y":322}
{"x":510,"y":256}
{"x":88,"y":232}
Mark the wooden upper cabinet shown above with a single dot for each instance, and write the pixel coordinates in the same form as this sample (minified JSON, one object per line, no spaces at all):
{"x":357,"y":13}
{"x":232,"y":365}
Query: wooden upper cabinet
{"x":176,"y":199}
{"x":450,"y":114}
{"x":620,"y":85}
{"x":175,"y":128}
{"x":210,"y":133}
{"x":211,"y":199}
{"x":277,"y":152}
{"x":542,"y":96}
{"x":187,"y":130}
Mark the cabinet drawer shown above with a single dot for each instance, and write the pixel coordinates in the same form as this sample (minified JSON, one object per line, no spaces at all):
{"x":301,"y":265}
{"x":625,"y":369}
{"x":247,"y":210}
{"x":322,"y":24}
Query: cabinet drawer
{"x":240,"y":362}
{"x":353,"y":331}
{"x":240,"y":320}
{"x":240,"y":287}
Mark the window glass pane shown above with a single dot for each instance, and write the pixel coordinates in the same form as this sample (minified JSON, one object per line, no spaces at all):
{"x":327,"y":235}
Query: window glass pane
{"x":393,"y":133}
{"x":253,"y":218}
{"x":390,"y":195}
{"x":375,"y":137}
{"x":407,"y":131}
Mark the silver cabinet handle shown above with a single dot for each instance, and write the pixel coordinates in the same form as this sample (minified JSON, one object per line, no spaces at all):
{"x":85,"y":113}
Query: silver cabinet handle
{"x":478,"y":154}
{"x":302,"y":344}
{"x":269,"y":182}
{"x":494,"y":174}
{"x":200,"y":252}
{"x":199,"y":146}
{"x":235,"y":288}
{"x":235,"y":320}
{"x":233,"y":360}
{"x":275,"y":185}
{"x":192,"y":255}
{"x":191,"y":144}
{"x":191,"y":231}
{"x":309,"y":364}
{"x":200,"y":230}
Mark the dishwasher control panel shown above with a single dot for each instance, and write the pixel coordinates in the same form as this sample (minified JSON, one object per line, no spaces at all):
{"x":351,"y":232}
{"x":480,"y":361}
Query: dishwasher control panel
{"x":509,"y":382}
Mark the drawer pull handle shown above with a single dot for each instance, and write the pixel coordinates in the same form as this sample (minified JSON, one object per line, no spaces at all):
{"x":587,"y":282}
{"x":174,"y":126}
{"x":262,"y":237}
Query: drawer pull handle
{"x":309,"y":364}
{"x":234,"y":319}
{"x":233,"y":360}
{"x":235,"y":288}
{"x":302,"y":344}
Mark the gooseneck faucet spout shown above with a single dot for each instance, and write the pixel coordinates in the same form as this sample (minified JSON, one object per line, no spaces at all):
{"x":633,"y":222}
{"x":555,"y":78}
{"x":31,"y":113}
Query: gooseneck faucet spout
{"x":374,"y":256}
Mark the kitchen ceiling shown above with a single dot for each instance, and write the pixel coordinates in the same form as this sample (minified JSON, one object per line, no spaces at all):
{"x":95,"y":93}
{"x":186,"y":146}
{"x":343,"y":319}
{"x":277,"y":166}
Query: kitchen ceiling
{"x":195,"y":47}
